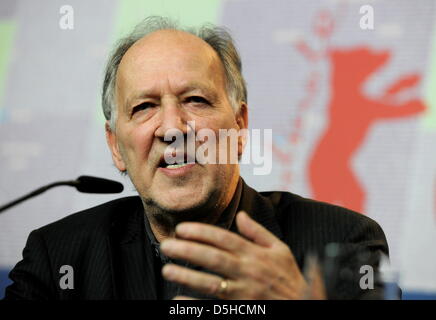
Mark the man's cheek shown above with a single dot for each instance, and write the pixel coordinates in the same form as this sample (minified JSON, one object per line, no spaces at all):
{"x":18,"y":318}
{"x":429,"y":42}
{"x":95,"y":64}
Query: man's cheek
{"x":140,"y":145}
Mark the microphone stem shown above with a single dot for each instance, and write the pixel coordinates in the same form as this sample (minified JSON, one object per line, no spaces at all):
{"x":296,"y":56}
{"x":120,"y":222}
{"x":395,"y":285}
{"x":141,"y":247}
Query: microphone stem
{"x":36,"y":192}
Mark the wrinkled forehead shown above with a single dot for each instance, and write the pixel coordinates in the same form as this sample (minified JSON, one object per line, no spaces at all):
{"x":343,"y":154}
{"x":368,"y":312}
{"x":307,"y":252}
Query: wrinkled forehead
{"x":170,"y":52}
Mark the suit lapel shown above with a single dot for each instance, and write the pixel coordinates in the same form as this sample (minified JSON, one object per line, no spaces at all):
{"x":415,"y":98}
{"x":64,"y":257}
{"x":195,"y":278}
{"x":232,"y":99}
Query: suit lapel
{"x":261,"y":209}
{"x":132,"y":257}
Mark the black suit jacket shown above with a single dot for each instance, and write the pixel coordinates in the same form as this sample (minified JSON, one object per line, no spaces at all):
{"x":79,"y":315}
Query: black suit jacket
{"x":112,"y":259}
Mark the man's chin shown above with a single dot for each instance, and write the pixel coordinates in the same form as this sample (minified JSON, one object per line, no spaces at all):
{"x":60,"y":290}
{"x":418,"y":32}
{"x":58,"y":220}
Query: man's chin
{"x":181,"y":205}
{"x":179,"y":195}
{"x":171,"y":207}
{"x":169,"y":214}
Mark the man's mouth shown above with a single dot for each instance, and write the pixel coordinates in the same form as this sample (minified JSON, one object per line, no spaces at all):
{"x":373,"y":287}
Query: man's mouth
{"x":176,"y":170}
{"x":175,"y":166}
{"x":179,"y":164}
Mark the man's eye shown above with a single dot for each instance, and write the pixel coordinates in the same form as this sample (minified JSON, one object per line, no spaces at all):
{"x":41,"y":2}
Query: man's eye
{"x":197,"y":99}
{"x":142,"y":106}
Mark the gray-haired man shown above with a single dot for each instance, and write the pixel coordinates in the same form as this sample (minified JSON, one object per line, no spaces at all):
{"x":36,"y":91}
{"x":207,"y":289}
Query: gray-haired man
{"x":196,"y":229}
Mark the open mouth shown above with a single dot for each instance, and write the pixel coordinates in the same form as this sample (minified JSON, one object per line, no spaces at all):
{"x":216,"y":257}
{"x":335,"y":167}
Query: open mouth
{"x":175,"y":166}
{"x":179,"y":162}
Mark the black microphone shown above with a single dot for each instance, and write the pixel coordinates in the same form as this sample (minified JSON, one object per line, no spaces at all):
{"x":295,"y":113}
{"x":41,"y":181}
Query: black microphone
{"x":86,"y":184}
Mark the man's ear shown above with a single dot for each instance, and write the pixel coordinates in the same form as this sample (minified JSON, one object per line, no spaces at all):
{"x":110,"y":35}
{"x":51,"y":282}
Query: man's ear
{"x":111,"y":139}
{"x":242,"y":121}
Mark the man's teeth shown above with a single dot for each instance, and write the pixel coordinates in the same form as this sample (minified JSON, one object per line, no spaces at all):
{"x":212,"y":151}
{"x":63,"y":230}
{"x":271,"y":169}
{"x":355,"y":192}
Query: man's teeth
{"x":175,"y":166}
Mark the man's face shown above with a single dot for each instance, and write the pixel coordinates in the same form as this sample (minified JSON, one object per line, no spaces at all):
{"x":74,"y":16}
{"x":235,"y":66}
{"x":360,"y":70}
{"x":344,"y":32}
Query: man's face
{"x":165,"y":80}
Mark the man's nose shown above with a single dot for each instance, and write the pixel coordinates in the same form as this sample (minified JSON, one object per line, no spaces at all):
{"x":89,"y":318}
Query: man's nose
{"x":172,"y":119}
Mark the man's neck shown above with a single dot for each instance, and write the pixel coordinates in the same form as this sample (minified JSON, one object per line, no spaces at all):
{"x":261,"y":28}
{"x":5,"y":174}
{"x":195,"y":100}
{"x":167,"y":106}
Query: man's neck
{"x":163,"y":224}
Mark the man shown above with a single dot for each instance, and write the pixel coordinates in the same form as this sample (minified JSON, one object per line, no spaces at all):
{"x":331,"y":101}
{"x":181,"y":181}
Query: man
{"x":196,"y":229}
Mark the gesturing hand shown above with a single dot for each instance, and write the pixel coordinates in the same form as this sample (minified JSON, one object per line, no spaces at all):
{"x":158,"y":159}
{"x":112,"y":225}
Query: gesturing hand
{"x":259,"y":266}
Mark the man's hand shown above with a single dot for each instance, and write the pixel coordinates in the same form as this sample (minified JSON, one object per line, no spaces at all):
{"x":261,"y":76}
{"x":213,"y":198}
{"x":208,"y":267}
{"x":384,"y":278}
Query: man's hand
{"x":258,"y":267}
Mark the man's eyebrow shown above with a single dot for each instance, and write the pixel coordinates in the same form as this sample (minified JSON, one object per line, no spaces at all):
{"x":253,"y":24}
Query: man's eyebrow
{"x":138,"y":96}
{"x":204,"y":88}
{"x":143,"y":94}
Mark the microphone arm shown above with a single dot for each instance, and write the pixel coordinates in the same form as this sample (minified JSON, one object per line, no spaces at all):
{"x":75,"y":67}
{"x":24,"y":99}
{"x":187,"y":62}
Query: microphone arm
{"x":35,"y":193}
{"x":78,"y":183}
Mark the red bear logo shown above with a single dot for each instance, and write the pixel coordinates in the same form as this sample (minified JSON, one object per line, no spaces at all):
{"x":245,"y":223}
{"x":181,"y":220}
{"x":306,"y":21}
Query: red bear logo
{"x":350,"y":116}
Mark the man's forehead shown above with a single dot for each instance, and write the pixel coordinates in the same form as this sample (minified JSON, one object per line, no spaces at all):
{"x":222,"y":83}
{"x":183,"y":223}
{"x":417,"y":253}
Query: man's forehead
{"x":165,"y":41}
{"x":170,"y":35}
{"x":168,"y":50}
{"x":181,"y":56}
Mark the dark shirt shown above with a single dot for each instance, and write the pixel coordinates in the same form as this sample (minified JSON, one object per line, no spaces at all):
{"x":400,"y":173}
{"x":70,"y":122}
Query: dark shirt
{"x":168,"y":290}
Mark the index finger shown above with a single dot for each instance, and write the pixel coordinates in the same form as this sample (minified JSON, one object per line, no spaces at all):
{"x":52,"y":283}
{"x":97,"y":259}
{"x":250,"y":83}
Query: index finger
{"x":213,"y":235}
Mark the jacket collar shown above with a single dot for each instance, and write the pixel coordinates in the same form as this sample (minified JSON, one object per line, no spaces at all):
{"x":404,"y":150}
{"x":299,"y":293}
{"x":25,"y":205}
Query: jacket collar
{"x":261,"y":209}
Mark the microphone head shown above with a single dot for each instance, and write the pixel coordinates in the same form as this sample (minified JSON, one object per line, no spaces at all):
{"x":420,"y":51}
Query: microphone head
{"x":88,"y":184}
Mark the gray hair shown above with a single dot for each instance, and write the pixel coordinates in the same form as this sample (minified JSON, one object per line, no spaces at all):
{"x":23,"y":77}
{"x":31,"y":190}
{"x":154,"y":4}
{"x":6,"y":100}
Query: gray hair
{"x":218,"y":38}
